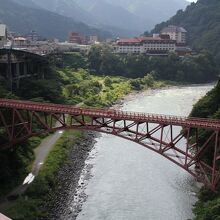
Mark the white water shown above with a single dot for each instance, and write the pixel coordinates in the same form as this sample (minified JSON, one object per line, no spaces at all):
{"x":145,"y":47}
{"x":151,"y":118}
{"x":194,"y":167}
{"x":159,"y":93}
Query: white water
{"x":132,"y":183}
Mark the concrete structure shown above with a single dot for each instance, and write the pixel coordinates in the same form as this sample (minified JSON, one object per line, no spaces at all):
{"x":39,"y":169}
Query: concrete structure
{"x":32,"y":36}
{"x":3,"y":35}
{"x":17,"y":64}
{"x":176,"y":33}
{"x":182,"y":49}
{"x":156,"y":45}
{"x":92,"y":39}
{"x":20,"y":42}
{"x":76,"y":38}
{"x":66,"y":47}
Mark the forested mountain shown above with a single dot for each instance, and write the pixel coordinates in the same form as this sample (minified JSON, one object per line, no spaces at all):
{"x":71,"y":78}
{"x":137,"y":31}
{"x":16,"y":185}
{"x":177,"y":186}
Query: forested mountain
{"x":151,"y":12}
{"x":123,"y":17}
{"x":202,"y":21}
{"x":23,"y":19}
{"x":113,"y":15}
{"x":67,"y":8}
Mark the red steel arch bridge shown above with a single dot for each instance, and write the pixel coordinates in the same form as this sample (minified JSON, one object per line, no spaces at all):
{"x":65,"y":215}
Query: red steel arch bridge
{"x":179,"y":139}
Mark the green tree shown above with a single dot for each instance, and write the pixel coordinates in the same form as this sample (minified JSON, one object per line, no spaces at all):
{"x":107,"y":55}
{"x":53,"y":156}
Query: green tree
{"x":107,"y":81}
{"x":95,"y":58}
{"x":74,"y":60}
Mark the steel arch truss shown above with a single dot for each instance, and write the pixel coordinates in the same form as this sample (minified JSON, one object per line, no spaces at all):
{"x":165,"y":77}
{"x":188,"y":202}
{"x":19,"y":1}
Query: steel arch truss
{"x":180,"y":144}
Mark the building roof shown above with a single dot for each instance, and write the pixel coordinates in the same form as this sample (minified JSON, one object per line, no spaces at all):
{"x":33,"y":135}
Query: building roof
{"x":173,"y":28}
{"x":186,"y":49}
{"x":129,"y":40}
{"x":2,"y":30}
{"x":139,"y":40}
{"x":20,"y":39}
{"x":157,"y":38}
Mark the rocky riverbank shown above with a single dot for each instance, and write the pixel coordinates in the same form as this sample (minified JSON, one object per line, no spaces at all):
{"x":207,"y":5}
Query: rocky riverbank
{"x":74,"y":175}
{"x":114,"y":191}
{"x":66,"y":201}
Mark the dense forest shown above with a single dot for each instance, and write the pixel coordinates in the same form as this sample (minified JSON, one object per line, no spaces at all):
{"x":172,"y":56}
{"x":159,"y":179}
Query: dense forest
{"x":208,"y":206}
{"x":202,"y":22}
{"x":198,"y":68}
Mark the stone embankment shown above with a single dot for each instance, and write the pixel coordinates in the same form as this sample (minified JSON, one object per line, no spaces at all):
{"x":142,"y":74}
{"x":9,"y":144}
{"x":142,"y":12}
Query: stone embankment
{"x":66,"y":201}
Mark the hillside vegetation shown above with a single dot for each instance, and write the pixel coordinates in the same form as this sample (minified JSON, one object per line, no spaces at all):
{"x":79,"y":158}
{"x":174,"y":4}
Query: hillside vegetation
{"x":190,"y":69}
{"x":208,"y":206}
{"x":202,"y":21}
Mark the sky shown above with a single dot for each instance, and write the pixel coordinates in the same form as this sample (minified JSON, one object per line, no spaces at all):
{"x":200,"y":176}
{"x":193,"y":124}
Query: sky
{"x":192,"y":0}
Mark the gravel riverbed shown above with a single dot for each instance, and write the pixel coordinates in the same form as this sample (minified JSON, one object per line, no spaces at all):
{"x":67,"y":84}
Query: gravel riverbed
{"x":69,"y":191}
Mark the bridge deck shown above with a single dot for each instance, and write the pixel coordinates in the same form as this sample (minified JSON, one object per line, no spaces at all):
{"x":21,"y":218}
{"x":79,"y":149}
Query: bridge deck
{"x":114,"y":114}
{"x":158,"y":137}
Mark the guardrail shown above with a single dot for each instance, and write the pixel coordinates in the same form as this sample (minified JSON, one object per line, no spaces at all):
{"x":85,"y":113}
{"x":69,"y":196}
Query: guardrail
{"x":111,"y":113}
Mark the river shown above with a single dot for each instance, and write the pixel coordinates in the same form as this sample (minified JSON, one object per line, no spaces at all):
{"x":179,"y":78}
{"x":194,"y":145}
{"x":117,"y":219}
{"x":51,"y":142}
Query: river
{"x":129,"y":182}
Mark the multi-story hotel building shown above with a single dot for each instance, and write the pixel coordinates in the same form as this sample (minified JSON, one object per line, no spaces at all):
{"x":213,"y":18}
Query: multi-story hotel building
{"x":147,"y":45}
{"x":176,"y":33}
{"x":171,"y":39}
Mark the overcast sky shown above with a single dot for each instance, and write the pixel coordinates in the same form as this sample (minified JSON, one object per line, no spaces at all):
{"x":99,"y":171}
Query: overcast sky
{"x":192,"y":0}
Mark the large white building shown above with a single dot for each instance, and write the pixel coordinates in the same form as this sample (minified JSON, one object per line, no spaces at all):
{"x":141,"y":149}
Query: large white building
{"x":3,"y":35}
{"x":171,"y":39}
{"x":176,"y":33}
{"x":158,"y":45}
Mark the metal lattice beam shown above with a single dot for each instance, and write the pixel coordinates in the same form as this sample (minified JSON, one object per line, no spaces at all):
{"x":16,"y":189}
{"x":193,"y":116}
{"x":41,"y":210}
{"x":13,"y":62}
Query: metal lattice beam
{"x":169,"y":136}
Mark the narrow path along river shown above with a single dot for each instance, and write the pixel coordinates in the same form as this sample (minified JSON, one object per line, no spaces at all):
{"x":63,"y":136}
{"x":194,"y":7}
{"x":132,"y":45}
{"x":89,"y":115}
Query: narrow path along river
{"x":130,"y":182}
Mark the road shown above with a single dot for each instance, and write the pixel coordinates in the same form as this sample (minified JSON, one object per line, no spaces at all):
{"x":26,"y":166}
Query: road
{"x":41,"y":153}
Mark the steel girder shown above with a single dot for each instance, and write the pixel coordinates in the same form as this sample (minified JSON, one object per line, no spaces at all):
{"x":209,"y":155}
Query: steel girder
{"x":175,"y":138}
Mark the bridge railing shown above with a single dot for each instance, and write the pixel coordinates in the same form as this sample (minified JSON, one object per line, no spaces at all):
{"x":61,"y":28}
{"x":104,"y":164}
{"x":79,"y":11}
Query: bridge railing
{"x":57,"y":108}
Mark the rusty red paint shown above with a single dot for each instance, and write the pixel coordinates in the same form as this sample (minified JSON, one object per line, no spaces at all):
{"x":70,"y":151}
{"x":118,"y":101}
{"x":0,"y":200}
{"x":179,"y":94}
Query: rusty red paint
{"x":153,"y":131}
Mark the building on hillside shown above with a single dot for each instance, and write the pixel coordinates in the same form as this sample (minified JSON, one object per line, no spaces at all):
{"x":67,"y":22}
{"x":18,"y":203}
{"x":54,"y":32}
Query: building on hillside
{"x":176,"y":33}
{"x":3,"y":35}
{"x":33,"y":36}
{"x":182,"y":49}
{"x":76,"y":38}
{"x":92,"y":39}
{"x":110,"y":40}
{"x":156,"y":45}
{"x":20,"y":42}
{"x":72,"y":47}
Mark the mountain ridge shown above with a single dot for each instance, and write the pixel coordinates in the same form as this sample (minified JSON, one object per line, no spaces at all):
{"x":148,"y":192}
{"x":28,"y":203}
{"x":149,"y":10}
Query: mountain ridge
{"x":46,"y":23}
{"x":123,"y":16}
{"x":202,"y":21}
